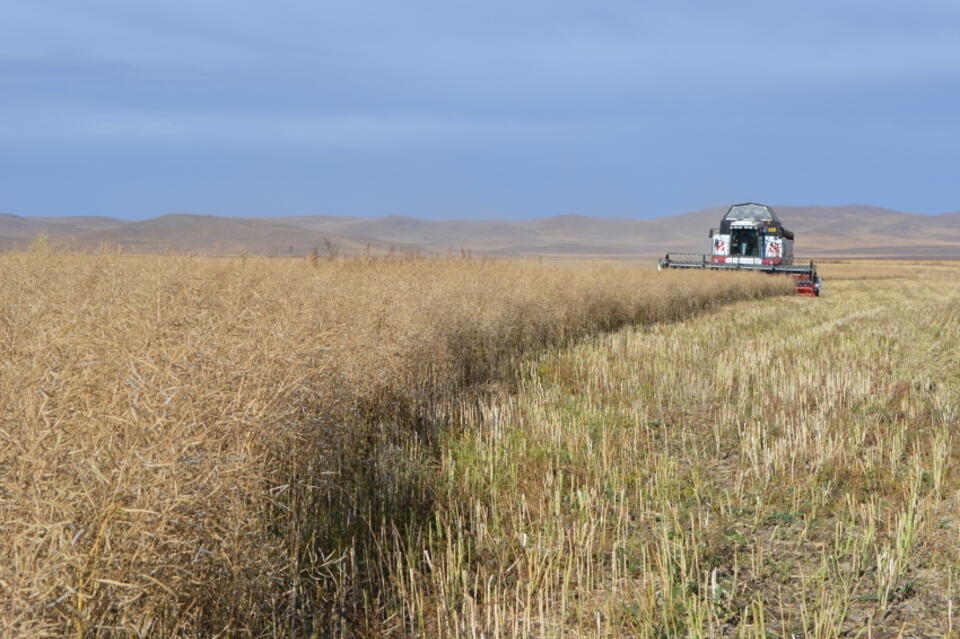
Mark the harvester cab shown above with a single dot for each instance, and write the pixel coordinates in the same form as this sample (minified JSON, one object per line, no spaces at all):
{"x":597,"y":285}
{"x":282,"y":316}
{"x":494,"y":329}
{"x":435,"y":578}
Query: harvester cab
{"x":751,"y":234}
{"x":751,"y":237}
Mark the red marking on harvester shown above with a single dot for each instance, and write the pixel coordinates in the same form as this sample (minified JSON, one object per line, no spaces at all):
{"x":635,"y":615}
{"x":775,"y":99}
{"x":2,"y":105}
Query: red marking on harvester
{"x":805,"y":286}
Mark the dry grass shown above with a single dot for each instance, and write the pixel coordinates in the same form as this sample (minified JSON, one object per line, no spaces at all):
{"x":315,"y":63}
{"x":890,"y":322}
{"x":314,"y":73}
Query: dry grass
{"x":834,"y":270}
{"x":784,"y":468}
{"x":222,"y":447}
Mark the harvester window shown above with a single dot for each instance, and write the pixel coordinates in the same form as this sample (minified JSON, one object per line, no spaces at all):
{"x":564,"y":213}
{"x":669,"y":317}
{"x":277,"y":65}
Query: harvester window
{"x":744,"y":242}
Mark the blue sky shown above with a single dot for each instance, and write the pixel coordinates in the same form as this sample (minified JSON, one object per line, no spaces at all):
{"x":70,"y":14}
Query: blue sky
{"x":475,"y":109}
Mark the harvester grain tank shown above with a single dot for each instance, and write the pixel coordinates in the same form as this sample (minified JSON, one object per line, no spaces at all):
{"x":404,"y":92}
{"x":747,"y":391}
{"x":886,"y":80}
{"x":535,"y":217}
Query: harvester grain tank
{"x":752,"y":238}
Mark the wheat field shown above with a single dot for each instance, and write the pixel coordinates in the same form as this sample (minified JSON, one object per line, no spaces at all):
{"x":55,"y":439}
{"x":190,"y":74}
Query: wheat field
{"x":205,"y":447}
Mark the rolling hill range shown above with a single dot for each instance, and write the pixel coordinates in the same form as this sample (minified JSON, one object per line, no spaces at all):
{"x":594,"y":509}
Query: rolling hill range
{"x":824,"y":231}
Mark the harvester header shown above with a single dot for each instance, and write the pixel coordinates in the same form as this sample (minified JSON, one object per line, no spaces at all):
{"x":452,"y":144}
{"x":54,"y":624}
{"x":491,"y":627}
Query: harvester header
{"x":751,"y":237}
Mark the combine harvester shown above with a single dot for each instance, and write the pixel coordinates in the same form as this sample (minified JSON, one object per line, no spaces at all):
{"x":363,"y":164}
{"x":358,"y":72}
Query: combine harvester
{"x":751,"y":238}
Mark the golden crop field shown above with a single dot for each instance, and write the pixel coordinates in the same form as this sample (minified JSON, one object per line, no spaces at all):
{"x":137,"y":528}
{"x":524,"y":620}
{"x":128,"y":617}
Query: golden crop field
{"x":246,"y":446}
{"x":464,"y":448}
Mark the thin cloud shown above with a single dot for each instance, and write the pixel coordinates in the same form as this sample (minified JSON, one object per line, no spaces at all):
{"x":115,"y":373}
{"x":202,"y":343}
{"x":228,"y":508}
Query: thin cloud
{"x":335,"y":131}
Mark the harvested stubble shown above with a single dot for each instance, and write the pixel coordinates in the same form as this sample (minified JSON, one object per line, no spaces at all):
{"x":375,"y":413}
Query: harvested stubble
{"x":203,"y":447}
{"x":783,"y":468}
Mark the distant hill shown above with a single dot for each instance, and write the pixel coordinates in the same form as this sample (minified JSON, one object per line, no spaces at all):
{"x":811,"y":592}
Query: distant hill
{"x":202,"y":234}
{"x":822,"y":231}
{"x":16,"y":227}
{"x":210,"y":234}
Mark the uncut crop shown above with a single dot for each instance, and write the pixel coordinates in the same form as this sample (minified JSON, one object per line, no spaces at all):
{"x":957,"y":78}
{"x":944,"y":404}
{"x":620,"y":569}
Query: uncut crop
{"x":781,"y":468}
{"x":222,"y":447}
